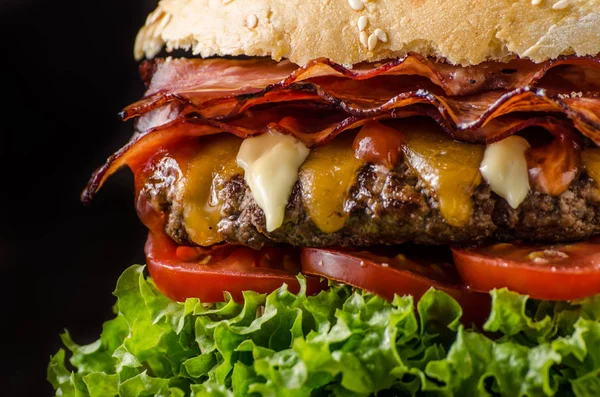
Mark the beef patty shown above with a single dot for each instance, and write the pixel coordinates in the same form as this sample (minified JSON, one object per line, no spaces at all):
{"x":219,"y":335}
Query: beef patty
{"x":387,"y":207}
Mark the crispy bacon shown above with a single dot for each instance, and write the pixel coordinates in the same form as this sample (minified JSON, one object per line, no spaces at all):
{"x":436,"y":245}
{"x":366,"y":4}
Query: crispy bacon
{"x":228,"y":95}
{"x":553,"y":167}
{"x":199,"y":82}
{"x":473,"y":118}
{"x":143,"y":145}
{"x":316,"y":102}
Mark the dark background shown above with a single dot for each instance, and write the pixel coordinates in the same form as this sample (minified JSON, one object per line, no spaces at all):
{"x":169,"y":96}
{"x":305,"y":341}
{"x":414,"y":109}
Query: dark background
{"x":67,"y":69}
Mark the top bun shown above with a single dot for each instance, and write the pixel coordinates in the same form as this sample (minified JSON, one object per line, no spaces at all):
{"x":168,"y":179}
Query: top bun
{"x":464,"y":32}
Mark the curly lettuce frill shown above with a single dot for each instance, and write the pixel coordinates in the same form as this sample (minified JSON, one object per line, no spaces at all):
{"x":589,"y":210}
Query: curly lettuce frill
{"x":341,"y":342}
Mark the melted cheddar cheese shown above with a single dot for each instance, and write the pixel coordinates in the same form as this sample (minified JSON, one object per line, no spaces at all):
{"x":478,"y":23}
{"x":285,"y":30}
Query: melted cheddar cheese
{"x":449,"y":168}
{"x":326,"y":177}
{"x":590,"y":158}
{"x":273,"y":163}
{"x":213,"y":166}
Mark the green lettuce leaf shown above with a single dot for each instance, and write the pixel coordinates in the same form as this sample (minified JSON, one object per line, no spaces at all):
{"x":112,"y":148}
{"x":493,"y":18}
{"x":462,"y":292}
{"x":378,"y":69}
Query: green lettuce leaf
{"x":341,"y":342}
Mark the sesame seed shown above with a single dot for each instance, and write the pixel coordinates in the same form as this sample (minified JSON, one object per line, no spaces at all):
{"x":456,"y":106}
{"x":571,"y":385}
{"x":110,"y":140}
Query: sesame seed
{"x":362,"y":23}
{"x":536,"y":2}
{"x":560,"y":5}
{"x":385,"y":264}
{"x":320,"y":263}
{"x":381,"y":35}
{"x":251,"y":21}
{"x":356,"y":5}
{"x":362,"y":263}
{"x":372,"y":42}
{"x":364,"y":39}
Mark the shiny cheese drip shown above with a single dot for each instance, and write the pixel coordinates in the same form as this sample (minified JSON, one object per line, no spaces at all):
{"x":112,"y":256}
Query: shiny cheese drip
{"x":212,"y":167}
{"x":504,"y":168}
{"x":270,"y":163}
{"x":326,"y":177}
{"x":449,"y":168}
{"x":590,"y":158}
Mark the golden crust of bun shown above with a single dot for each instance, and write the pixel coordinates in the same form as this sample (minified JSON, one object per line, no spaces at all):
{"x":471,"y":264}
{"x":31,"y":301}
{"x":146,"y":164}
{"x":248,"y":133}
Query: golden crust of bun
{"x":464,"y":32}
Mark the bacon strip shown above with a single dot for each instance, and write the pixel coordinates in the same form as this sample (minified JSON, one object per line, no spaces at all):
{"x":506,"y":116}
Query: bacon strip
{"x":197,"y":81}
{"x":192,"y":97}
{"x":361,"y":99}
{"x":465,"y":118}
{"x":143,"y":145}
{"x":552,"y":168}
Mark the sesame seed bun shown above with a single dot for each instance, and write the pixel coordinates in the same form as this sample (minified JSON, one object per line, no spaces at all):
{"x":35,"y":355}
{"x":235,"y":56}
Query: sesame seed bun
{"x":464,"y":32}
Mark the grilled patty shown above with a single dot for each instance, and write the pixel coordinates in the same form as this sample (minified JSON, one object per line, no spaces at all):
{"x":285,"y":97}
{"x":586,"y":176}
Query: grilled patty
{"x":387,"y":207}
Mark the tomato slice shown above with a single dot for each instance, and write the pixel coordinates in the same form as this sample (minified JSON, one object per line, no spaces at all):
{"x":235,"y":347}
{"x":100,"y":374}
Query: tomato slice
{"x":553,"y":272}
{"x":184,"y":272}
{"x":399,"y":275}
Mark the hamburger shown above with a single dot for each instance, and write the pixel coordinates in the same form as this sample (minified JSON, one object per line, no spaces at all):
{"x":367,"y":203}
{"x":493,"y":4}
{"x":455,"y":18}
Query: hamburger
{"x":361,"y":198}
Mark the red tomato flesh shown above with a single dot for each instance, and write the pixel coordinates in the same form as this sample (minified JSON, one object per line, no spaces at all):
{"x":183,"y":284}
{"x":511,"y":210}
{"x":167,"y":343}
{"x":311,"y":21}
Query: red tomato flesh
{"x":556,"y":272}
{"x":179,"y":274}
{"x":387,"y":277}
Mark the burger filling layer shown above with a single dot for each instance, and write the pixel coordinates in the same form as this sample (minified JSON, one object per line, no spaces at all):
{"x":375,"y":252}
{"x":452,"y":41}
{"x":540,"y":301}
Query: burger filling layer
{"x":423,"y":187}
{"x":237,"y":153}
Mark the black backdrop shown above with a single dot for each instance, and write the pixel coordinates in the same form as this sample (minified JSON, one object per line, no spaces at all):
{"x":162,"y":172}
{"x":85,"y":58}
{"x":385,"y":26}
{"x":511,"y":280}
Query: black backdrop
{"x":67,"y":69}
